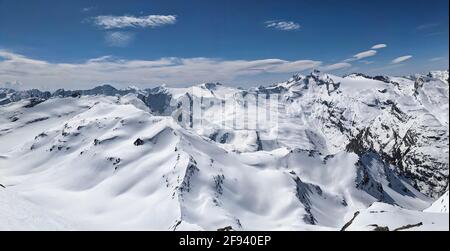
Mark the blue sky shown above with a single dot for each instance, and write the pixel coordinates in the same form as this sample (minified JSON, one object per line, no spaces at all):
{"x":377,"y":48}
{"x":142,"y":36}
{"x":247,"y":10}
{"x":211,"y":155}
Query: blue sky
{"x":247,"y":42}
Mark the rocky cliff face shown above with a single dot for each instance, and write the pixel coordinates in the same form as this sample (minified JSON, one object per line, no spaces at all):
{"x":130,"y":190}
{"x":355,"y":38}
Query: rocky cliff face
{"x":403,"y":120}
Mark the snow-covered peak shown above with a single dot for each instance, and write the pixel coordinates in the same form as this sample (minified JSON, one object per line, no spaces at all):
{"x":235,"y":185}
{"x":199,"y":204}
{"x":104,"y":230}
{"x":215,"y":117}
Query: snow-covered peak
{"x":441,"y":75}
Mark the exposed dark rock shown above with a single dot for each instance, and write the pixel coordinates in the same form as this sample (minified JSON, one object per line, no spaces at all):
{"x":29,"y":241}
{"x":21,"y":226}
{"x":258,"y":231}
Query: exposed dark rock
{"x":350,"y":222}
{"x":225,"y":229}
{"x":191,"y":170}
{"x":138,"y":142}
{"x":212,"y":86}
{"x":218,"y":183}
{"x":34,"y":101}
{"x":213,"y":136}
{"x":36,"y":120}
{"x":177,"y":224}
{"x":427,"y":174}
{"x":114,"y":160}
{"x":224,"y":138}
{"x":157,"y":99}
{"x":380,"y":228}
{"x":303,"y":193}
{"x":408,"y":226}
{"x":258,"y":142}
{"x":98,"y":142}
{"x":382,"y":79}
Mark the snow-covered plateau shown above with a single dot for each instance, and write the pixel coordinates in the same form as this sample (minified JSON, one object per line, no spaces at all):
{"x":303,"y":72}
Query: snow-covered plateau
{"x":344,"y":153}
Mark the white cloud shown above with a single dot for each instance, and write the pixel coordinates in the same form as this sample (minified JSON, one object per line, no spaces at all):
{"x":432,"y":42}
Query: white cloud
{"x":295,"y":66}
{"x":361,"y":55}
{"x":283,"y":25}
{"x":401,"y":59}
{"x":336,"y":66}
{"x":119,"y":38}
{"x":379,"y":46}
{"x":365,"y":54}
{"x":143,"y":73}
{"x":117,"y":22}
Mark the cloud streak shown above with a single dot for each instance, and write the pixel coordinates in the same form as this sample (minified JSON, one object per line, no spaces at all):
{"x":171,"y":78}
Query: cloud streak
{"x":436,"y":59}
{"x":119,"y":22}
{"x":379,"y":46}
{"x":361,"y":55}
{"x":401,"y":59}
{"x":337,"y":66}
{"x":143,"y":73}
{"x":365,"y":54}
{"x":283,"y":25}
{"x":427,"y":26}
{"x":119,"y":38}
{"x":88,"y":9}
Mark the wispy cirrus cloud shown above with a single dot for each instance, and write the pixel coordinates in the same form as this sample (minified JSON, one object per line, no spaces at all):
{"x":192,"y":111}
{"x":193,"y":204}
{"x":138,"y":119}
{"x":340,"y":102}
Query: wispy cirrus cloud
{"x":88,"y":9}
{"x":119,"y":38}
{"x":436,"y":59}
{"x":401,"y":59}
{"x":427,"y":26}
{"x":118,"y":22}
{"x":282,"y":25}
{"x":144,"y":73}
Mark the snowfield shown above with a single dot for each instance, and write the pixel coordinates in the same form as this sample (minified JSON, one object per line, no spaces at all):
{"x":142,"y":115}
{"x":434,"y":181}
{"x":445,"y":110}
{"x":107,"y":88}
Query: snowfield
{"x":384,"y":217}
{"x":440,"y":206}
{"x":350,"y":153}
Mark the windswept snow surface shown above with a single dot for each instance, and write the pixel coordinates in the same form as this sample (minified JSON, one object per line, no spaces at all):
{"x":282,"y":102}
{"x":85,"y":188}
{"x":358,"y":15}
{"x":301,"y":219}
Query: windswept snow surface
{"x":107,"y":159}
{"x":440,"y":206}
{"x":384,"y":217}
{"x":18,"y":214}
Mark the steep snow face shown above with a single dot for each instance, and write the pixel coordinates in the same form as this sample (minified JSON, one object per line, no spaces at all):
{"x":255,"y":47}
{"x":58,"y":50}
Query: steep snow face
{"x":440,"y":206}
{"x":132,"y":159}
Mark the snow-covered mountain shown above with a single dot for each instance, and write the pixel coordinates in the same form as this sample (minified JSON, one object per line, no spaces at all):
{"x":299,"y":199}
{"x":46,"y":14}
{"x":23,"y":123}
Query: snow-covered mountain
{"x":133,"y":159}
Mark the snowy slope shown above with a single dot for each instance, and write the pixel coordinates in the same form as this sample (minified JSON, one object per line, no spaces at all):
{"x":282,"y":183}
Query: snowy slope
{"x":384,"y":217}
{"x":18,"y":214}
{"x":440,"y":206}
{"x":129,"y":159}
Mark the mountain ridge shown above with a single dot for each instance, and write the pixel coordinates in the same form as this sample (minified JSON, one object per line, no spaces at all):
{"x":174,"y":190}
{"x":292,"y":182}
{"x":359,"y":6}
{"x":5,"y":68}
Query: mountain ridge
{"x":342,"y":144}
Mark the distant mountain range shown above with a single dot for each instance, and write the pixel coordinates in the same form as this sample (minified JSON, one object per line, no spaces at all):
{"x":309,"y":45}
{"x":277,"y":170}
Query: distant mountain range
{"x":343,"y":153}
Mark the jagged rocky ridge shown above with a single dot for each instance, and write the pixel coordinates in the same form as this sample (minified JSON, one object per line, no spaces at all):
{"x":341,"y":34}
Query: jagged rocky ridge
{"x":343,"y":143}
